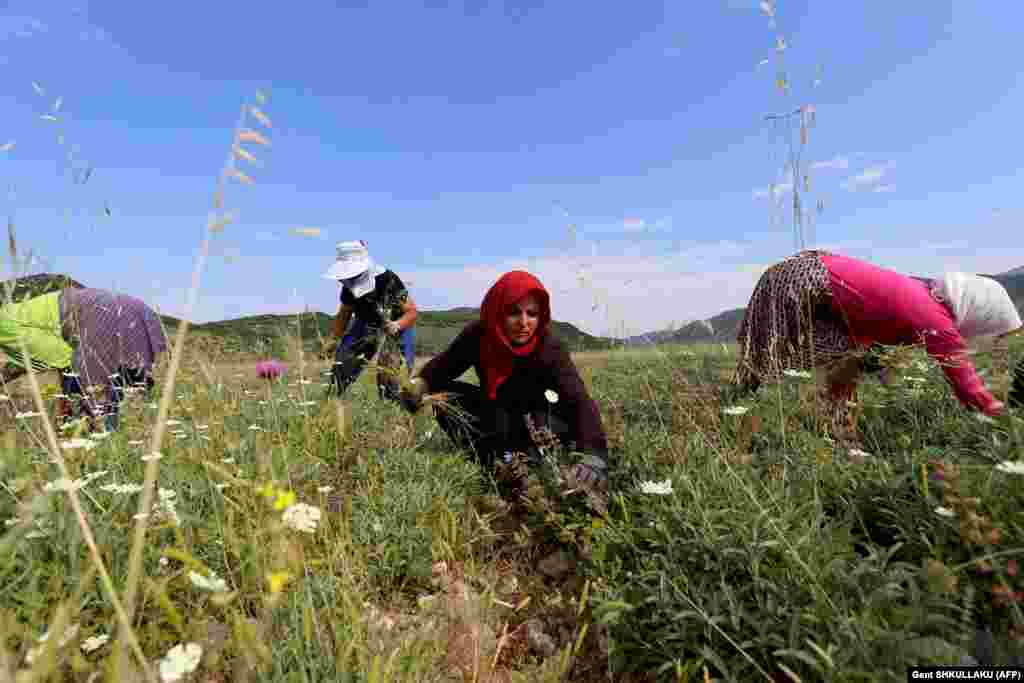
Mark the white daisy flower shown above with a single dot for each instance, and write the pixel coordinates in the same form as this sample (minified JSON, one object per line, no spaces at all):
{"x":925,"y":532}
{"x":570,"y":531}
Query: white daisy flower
{"x":944,"y":512}
{"x":735,"y":410}
{"x":551,"y":396}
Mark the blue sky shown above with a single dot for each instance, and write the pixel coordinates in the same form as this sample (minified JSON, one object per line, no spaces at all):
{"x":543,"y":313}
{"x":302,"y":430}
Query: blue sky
{"x":462,"y":139}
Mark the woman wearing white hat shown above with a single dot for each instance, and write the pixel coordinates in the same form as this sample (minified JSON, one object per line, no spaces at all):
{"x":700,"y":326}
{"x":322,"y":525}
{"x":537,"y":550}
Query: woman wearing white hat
{"x":379,"y":300}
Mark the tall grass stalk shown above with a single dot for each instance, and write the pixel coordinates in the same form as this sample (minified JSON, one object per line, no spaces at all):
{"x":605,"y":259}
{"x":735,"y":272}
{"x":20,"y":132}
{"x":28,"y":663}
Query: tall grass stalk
{"x":214,"y":225}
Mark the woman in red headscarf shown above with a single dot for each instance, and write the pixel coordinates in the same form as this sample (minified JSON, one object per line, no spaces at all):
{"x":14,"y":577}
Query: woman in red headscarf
{"x":525,"y":374}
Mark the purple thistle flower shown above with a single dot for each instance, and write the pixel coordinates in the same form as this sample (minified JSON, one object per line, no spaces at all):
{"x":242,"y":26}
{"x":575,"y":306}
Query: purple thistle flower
{"x":269,"y":369}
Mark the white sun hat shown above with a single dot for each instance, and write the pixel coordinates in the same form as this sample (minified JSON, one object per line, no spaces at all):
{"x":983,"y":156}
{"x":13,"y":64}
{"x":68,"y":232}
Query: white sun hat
{"x":353,"y":259}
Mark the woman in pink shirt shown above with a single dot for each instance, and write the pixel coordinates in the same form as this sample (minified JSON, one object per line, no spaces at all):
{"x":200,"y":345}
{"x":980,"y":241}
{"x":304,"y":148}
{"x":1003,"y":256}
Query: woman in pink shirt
{"x":817,"y":309}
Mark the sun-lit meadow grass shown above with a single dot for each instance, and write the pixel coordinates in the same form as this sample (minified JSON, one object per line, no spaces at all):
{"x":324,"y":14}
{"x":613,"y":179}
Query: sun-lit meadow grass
{"x":757,"y":550}
{"x":295,"y":537}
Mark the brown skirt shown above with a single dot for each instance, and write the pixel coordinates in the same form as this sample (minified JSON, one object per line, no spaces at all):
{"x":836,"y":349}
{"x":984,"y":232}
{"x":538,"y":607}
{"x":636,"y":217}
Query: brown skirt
{"x":789,"y":323}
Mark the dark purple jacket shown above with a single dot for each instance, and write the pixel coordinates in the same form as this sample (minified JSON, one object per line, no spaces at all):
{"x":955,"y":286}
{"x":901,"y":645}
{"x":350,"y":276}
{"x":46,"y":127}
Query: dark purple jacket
{"x":548,"y":367}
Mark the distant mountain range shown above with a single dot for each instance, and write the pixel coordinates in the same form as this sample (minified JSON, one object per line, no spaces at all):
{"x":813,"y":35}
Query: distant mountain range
{"x":725,"y":326}
{"x":436,"y":329}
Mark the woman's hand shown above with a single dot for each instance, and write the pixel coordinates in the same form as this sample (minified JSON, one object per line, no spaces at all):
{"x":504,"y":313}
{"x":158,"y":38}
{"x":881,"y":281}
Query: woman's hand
{"x":591,"y":471}
{"x":328,"y":348}
{"x":995,"y":409}
{"x":411,"y":395}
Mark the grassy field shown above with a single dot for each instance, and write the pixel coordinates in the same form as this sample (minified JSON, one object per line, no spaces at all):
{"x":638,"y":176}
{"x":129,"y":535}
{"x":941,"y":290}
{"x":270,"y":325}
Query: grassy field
{"x":765,"y":556}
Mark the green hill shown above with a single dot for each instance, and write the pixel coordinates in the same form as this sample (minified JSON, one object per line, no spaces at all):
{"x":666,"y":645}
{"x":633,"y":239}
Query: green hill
{"x":434,"y":330}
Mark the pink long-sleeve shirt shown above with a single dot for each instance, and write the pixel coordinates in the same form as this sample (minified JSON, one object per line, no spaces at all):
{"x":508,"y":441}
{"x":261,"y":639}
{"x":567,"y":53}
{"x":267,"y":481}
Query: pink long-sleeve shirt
{"x":890,"y":308}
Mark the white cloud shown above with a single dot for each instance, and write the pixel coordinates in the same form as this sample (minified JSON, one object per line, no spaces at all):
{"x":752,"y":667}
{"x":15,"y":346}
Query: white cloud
{"x":867,"y":179}
{"x":635,"y":293}
{"x":662,"y":224}
{"x":614,"y":294}
{"x":779,"y":191}
{"x":782,"y":187}
{"x":20,"y":27}
{"x":94,"y":34}
{"x":633,"y":224}
{"x":836,"y":162}
{"x":943,"y":246}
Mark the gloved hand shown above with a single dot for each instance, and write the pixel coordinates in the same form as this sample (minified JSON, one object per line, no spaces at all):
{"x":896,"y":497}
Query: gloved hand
{"x":411,"y":395}
{"x":392,"y":328}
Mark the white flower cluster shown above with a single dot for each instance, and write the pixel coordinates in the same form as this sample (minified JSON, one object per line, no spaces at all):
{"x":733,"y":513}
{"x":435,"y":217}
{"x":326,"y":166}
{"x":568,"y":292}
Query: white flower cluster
{"x":301,"y":517}
{"x":32,"y":655}
{"x":94,"y":643}
{"x":657,"y":488}
{"x":180,"y":661}
{"x":122,"y":489}
{"x":72,"y":444}
{"x":63,"y":484}
{"x":1011,"y":467}
{"x":211,"y":583}
{"x":166,"y":507}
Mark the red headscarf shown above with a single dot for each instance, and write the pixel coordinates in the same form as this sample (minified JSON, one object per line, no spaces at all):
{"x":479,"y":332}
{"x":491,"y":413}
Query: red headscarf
{"x":496,"y":352}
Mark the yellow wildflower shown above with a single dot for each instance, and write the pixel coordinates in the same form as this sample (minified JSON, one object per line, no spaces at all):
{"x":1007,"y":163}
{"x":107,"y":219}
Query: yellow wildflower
{"x":278,"y":580}
{"x":284,"y":500}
